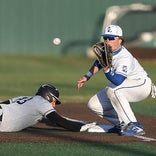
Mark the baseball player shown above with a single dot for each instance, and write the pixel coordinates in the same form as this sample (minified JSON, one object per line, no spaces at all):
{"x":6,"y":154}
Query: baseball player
{"x":21,"y":112}
{"x":129,"y":83}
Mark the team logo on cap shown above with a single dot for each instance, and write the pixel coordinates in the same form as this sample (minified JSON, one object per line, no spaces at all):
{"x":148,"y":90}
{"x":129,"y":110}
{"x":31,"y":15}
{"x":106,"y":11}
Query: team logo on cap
{"x":109,"y":29}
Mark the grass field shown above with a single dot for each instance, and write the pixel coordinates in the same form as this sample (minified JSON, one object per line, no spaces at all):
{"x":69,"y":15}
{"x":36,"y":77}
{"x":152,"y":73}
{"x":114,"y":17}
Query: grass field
{"x":22,"y":74}
{"x":76,"y":149}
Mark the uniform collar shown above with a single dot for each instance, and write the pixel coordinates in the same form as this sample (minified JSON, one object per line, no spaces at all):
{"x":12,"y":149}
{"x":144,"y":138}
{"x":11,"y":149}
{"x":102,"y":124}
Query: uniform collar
{"x":117,"y":51}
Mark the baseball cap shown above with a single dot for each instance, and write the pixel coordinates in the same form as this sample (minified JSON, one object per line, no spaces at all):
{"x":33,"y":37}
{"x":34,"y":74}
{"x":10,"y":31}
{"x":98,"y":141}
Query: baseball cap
{"x":112,"y":31}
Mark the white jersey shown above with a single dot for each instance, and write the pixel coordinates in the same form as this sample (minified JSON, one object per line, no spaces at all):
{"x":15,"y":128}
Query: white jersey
{"x":23,"y":111}
{"x":113,"y":102}
{"x":125,"y":64}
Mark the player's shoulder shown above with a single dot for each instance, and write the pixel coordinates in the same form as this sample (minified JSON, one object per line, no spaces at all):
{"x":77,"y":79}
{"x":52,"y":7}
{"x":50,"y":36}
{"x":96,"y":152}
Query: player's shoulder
{"x":125,"y":54}
{"x":19,"y":98}
{"x":123,"y":57}
{"x":124,"y":50}
{"x":40,"y":99}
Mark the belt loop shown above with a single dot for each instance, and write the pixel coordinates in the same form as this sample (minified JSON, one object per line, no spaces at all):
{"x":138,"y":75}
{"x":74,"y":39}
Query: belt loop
{"x":153,"y":91}
{"x":1,"y":117}
{"x":1,"y":114}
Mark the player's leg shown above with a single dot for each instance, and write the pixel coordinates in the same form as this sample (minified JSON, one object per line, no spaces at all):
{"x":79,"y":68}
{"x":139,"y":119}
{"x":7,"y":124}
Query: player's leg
{"x":100,"y":105}
{"x":129,"y":91}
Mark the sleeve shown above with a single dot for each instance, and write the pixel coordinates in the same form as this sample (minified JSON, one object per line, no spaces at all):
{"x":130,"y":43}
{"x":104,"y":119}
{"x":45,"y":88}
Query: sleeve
{"x":115,"y":78}
{"x":97,"y":64}
{"x":64,"y":122}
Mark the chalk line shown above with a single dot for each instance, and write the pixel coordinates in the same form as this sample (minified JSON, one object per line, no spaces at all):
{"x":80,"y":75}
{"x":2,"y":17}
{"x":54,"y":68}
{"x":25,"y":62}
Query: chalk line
{"x":144,"y":138}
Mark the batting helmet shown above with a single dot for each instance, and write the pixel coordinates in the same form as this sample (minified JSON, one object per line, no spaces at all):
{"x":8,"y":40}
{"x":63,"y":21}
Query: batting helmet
{"x":49,"y":91}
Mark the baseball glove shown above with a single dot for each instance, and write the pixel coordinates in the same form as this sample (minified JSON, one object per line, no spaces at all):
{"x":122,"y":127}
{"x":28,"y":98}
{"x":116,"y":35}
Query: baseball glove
{"x":103,"y":53}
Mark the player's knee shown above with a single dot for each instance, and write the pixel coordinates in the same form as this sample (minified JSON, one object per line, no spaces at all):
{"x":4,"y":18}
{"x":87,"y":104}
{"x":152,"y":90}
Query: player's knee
{"x":91,"y":104}
{"x":95,"y":106}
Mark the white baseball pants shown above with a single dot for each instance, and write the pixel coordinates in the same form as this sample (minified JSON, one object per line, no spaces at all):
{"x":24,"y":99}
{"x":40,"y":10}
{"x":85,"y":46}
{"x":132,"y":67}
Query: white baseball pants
{"x":112,"y":103}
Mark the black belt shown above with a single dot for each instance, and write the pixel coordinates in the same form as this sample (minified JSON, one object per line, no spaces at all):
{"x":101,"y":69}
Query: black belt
{"x":1,"y":115}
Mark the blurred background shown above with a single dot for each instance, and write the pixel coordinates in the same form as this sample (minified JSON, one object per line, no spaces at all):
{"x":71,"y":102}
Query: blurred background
{"x":29,"y":26}
{"x":28,"y":58}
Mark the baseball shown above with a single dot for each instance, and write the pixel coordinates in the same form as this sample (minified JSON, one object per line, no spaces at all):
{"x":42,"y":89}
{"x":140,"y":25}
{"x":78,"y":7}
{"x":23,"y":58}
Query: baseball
{"x":56,"y":41}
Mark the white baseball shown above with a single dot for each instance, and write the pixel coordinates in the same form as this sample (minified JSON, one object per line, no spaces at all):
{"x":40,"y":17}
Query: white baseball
{"x":56,"y":41}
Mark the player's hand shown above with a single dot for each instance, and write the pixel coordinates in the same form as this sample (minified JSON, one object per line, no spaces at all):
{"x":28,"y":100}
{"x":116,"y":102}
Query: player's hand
{"x":81,"y":82}
{"x":87,"y":126}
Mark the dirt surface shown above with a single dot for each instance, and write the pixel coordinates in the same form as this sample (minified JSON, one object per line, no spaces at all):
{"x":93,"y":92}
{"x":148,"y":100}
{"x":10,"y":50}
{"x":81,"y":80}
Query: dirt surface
{"x":44,"y":132}
{"x":143,"y":53}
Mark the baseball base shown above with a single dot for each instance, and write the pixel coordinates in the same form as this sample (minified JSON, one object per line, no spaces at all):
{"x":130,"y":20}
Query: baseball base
{"x":100,"y":128}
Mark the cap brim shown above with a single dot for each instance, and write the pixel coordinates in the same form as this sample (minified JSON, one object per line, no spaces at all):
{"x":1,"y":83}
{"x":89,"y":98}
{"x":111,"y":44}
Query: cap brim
{"x":109,"y":35}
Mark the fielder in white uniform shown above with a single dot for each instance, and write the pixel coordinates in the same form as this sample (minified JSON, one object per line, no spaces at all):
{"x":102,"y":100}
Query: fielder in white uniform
{"x":21,"y":112}
{"x":129,"y":83}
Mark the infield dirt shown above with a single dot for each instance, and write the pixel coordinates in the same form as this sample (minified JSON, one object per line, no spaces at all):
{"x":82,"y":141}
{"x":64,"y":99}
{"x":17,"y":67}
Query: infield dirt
{"x":46,"y":132}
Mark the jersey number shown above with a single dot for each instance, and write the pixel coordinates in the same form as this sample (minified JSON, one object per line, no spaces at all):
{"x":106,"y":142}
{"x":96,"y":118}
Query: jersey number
{"x":23,"y":100}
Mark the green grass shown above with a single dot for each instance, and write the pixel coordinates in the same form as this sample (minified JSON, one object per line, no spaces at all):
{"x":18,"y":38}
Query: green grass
{"x":76,"y":149}
{"x":22,"y":75}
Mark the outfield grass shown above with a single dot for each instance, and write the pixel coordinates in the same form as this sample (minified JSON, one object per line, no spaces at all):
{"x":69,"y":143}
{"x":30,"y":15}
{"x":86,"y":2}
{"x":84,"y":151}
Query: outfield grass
{"x":22,"y":74}
{"x":76,"y":149}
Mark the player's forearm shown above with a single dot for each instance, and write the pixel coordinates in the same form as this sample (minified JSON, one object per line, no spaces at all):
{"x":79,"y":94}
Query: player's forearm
{"x":5,"y":102}
{"x":93,"y":70}
{"x":64,"y":122}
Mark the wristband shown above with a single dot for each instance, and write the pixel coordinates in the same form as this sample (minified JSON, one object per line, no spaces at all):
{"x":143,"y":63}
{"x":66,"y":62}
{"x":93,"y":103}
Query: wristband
{"x":88,"y":75}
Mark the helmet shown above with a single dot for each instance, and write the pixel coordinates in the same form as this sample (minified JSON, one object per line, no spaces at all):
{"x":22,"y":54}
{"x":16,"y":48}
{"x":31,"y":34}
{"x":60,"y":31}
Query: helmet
{"x":49,"y":91}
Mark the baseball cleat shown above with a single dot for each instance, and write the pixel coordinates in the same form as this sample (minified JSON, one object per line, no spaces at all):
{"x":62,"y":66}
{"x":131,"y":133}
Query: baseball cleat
{"x":133,"y":128}
{"x":117,"y":128}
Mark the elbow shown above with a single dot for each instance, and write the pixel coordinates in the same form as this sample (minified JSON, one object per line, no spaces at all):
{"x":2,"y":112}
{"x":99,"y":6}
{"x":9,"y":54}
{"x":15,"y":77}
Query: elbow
{"x":117,"y":83}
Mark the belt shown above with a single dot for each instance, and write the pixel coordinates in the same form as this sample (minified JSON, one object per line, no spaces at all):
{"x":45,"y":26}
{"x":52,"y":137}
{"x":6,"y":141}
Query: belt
{"x":1,"y":115}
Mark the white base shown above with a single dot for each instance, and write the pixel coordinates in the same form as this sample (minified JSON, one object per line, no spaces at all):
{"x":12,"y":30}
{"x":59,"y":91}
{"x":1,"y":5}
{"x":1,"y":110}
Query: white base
{"x":100,"y":128}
